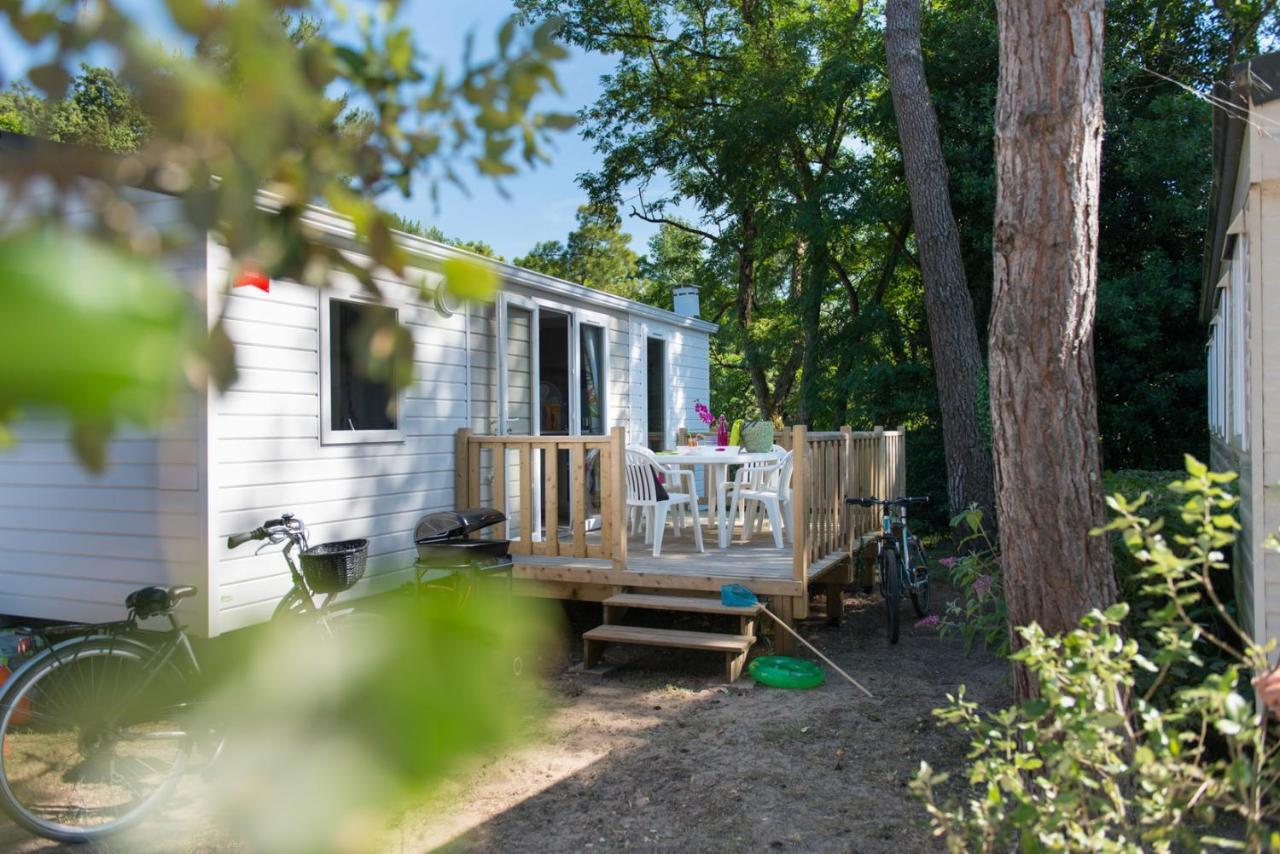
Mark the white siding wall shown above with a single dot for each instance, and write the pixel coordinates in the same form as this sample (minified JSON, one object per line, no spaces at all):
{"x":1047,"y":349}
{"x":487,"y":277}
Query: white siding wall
{"x":268,"y":458}
{"x":688,"y":374}
{"x":1260,"y":494}
{"x":75,"y":544}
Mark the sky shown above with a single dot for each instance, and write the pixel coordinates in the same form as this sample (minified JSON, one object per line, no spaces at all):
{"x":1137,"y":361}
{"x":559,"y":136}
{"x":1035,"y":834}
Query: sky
{"x":540,"y":203}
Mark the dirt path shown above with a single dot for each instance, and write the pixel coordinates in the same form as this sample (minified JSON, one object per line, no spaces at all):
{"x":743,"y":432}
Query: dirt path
{"x":660,"y":755}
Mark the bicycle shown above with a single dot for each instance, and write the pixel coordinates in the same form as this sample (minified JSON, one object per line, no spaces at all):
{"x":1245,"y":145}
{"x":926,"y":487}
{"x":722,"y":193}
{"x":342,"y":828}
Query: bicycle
{"x":901,"y":562}
{"x":99,"y":725}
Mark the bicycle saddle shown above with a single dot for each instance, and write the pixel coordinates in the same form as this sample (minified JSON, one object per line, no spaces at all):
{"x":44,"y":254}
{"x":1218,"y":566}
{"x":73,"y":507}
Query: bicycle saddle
{"x":150,"y":601}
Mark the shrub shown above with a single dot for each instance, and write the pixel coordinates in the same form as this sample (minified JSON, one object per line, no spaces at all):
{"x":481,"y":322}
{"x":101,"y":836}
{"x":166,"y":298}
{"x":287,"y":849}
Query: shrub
{"x":979,"y":614}
{"x":1094,"y":763}
{"x":1165,"y":503}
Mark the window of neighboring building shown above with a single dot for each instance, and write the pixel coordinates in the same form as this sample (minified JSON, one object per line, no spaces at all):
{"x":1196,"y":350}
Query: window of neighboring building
{"x":357,"y":404}
{"x":1239,"y":342}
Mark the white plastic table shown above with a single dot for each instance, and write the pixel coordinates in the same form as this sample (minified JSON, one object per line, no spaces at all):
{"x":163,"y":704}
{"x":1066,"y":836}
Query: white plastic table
{"x":715,"y":461}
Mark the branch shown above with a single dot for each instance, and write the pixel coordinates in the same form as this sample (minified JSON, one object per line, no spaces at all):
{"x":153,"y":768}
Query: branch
{"x":851,"y":292}
{"x":674,"y":223}
{"x":651,"y":40}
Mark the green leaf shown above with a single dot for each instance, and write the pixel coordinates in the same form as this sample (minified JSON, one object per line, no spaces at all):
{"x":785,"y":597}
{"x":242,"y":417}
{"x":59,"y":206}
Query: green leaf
{"x":470,"y":280}
{"x":1195,"y":468}
{"x":101,"y":347}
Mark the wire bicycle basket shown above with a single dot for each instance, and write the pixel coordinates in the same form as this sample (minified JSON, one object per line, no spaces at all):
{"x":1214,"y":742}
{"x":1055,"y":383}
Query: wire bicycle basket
{"x":334,"y":567}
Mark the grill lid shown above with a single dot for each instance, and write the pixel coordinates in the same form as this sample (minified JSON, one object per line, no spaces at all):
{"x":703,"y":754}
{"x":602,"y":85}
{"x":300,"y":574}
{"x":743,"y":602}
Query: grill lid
{"x":455,"y":524}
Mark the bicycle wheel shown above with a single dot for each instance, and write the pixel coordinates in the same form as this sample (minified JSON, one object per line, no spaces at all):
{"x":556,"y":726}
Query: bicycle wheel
{"x":920,"y":578}
{"x":328,"y":618}
{"x":92,"y":739}
{"x":294,"y":604}
{"x":891,"y":587}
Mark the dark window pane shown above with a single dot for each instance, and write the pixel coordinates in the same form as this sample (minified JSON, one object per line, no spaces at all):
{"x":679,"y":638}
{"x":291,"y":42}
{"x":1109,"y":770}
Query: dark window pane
{"x":657,"y":383}
{"x":591,"y":381}
{"x":356,"y":401}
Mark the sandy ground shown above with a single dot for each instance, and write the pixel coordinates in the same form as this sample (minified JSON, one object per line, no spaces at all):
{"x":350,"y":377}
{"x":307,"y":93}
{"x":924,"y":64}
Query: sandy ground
{"x":659,"y":754}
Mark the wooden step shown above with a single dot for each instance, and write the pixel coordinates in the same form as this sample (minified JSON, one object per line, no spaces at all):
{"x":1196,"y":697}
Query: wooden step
{"x":734,"y":647}
{"x":689,"y":604}
{"x":711,"y":641}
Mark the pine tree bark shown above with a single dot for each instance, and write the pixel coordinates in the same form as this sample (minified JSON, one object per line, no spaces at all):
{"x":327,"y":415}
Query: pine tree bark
{"x":957,"y":359}
{"x":1043,"y":398}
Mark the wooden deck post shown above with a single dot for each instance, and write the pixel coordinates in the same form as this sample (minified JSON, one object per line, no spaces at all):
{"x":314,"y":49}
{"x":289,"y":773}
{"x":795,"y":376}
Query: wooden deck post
{"x":902,"y":460}
{"x":847,"y":488}
{"x":460,"y":486}
{"x":618,"y":474}
{"x":881,"y":479}
{"x":800,"y":504}
{"x":784,"y":610}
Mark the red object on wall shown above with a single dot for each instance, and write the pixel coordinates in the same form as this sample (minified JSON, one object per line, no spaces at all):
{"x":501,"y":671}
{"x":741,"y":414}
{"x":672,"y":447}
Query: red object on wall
{"x":254,"y":279}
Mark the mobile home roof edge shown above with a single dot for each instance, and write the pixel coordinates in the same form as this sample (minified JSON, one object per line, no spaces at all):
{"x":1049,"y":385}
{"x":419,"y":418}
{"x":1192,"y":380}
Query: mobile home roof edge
{"x":104,"y":165}
{"x":341,"y":226}
{"x":1254,"y":81}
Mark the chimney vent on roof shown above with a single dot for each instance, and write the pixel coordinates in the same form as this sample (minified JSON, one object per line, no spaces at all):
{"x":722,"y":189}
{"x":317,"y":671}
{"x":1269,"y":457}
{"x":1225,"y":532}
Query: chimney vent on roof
{"x":686,"y":301}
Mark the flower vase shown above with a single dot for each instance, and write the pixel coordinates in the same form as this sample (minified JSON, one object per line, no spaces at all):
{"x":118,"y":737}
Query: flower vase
{"x":722,"y":433}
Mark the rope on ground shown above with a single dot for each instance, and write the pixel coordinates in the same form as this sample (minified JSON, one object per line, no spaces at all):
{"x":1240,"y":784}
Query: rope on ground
{"x":854,"y":682}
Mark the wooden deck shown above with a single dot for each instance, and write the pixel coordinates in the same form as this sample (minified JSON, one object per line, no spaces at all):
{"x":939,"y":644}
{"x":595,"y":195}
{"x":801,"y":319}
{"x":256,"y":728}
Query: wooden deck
{"x":583,"y":551}
{"x":756,"y":564}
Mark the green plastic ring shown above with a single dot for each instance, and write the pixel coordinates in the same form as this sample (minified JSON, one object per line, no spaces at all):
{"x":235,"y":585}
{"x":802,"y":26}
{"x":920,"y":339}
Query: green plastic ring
{"x":781,"y":671}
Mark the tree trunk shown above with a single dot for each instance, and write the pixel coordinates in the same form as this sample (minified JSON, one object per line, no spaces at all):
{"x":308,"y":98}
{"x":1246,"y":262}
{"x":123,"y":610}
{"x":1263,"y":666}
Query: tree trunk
{"x":957,"y":359}
{"x":812,"y":291}
{"x":745,"y":308}
{"x":1043,"y":401}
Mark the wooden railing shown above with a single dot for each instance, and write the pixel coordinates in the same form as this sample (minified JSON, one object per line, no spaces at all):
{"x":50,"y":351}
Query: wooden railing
{"x":521,"y":477}
{"x":839,"y":465}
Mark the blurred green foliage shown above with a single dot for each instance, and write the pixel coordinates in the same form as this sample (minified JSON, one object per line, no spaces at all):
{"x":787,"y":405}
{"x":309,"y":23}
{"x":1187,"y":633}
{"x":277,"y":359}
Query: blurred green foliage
{"x":278,"y":106}
{"x":327,"y":738}
{"x":103,"y":348}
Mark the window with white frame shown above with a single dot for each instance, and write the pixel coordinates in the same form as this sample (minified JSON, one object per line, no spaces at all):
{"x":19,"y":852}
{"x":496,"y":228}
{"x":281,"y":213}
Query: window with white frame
{"x":1239,"y":338}
{"x":358,"y":399}
{"x":1217,"y":377}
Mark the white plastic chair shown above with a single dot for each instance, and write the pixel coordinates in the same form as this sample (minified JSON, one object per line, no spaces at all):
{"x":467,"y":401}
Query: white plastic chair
{"x":642,"y":494}
{"x":672,"y":475}
{"x":759,"y":482}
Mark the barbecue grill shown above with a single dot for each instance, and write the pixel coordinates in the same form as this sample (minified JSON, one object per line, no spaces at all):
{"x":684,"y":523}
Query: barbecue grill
{"x":445,"y":545}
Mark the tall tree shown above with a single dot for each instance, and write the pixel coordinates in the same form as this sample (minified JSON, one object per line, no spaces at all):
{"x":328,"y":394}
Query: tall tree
{"x":745,"y":111}
{"x":1045,"y":248}
{"x":597,"y":253}
{"x":957,"y":359}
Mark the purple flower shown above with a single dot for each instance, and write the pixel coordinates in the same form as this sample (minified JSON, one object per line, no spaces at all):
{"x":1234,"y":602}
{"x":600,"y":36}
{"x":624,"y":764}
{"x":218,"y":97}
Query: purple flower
{"x":948,"y":562}
{"x":930,"y":622}
{"x":982,"y":585}
{"x":704,"y":414}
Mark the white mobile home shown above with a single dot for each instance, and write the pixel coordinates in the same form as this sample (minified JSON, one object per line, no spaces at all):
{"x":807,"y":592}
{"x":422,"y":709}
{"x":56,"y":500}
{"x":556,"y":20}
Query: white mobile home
{"x":1241,"y":305}
{"x":301,"y":432}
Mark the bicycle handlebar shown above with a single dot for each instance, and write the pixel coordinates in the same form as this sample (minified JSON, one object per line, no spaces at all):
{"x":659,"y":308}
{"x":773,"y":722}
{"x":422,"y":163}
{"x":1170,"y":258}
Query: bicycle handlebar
{"x":891,"y":502}
{"x":276,"y":530}
{"x":236,"y":540}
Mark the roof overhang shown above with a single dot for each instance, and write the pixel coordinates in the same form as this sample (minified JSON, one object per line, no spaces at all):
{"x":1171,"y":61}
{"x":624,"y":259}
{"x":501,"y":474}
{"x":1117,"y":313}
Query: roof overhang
{"x":1253,"y":81}
{"x":18,"y":151}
